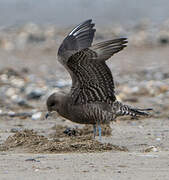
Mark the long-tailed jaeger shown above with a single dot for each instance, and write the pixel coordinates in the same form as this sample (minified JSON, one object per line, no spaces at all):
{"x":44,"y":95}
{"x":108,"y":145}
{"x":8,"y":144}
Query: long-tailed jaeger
{"x":91,"y":99}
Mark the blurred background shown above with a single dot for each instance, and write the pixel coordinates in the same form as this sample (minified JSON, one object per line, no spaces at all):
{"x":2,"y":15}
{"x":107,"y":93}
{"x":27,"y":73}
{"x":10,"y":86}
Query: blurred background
{"x":64,"y":12}
{"x":31,"y":32}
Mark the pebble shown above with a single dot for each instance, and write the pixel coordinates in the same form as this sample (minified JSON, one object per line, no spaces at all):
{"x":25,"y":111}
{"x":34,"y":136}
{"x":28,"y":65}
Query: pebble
{"x":19,"y":100}
{"x":149,"y":155}
{"x":22,"y":102}
{"x":62,"y":83}
{"x":36,"y":115}
{"x":17,"y":82}
{"x":32,"y":160}
{"x":11,"y":113}
{"x":4,"y":77}
{"x":34,"y":94}
{"x":70,"y":132}
{"x":10,"y":92}
{"x":151,"y":149}
{"x":16,"y":114}
{"x":14,"y":130}
{"x":19,"y":114}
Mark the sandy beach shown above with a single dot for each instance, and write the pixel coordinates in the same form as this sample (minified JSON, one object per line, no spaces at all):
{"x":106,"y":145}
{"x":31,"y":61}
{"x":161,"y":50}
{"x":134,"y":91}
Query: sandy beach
{"x":32,"y":147}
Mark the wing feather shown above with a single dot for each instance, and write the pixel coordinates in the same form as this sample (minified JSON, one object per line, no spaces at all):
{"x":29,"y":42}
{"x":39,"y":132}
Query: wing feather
{"x":79,"y":38}
{"x":106,"y":49}
{"x":94,"y":77}
{"x":91,"y":78}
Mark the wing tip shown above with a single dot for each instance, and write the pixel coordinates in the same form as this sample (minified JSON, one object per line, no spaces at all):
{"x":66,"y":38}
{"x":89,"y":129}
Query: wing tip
{"x":89,"y":20}
{"x":88,"y":24}
{"x":80,"y":37}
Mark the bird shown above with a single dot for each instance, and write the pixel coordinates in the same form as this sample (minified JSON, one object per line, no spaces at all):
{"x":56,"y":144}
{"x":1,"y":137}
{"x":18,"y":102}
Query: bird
{"x":91,"y":99}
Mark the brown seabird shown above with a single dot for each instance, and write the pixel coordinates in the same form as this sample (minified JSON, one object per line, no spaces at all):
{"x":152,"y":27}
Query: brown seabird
{"x":91,"y":99}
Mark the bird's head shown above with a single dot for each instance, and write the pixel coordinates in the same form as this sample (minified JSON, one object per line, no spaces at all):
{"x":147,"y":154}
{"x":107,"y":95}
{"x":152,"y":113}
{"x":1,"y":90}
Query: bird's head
{"x":54,"y":102}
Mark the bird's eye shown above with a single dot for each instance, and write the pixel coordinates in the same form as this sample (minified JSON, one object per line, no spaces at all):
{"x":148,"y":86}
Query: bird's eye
{"x":52,"y":104}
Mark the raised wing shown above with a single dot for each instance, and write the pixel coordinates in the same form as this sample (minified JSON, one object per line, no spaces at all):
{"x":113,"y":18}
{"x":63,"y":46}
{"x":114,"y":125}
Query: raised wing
{"x":79,"y":38}
{"x":105,"y":50}
{"x":95,"y":81}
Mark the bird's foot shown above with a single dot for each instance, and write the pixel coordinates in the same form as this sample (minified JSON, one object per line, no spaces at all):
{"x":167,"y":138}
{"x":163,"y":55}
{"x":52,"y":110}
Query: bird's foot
{"x":100,"y":132}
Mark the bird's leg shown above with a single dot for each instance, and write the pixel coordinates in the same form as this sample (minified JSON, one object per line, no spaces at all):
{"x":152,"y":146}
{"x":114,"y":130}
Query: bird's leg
{"x":100,"y":132}
{"x":94,"y":130}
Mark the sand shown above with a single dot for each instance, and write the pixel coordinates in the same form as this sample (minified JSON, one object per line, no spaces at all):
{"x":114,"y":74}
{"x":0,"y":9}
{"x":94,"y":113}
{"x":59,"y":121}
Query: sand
{"x":135,"y":149}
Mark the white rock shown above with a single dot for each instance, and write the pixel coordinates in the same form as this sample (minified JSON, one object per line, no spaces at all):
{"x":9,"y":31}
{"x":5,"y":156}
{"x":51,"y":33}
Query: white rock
{"x":17,"y":82}
{"x":10,"y":92}
{"x":151,"y":149}
{"x":4,"y":77}
{"x":11,"y":113}
{"x":36,"y":116}
{"x":63,"y":83}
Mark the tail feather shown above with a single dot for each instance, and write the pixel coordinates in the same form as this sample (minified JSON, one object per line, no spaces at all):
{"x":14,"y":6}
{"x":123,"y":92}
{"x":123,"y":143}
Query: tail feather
{"x":122,"y":110}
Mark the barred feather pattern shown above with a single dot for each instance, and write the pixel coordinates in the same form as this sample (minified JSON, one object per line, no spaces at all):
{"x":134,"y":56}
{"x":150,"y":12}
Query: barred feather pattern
{"x":121,"y":110}
{"x":94,"y":78}
{"x":92,"y":113}
{"x":98,"y":115}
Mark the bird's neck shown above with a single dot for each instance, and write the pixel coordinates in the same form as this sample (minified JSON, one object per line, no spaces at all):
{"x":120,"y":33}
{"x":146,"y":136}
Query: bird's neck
{"x":64,"y":107}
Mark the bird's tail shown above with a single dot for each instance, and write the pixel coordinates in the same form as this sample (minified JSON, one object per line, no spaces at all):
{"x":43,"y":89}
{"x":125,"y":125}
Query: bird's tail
{"x":122,"y":110}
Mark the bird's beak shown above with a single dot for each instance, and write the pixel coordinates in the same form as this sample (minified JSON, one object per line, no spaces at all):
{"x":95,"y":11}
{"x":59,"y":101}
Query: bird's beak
{"x":47,"y":114}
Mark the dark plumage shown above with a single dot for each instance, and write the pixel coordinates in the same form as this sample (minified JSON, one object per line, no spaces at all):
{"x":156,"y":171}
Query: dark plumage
{"x":91,"y":99}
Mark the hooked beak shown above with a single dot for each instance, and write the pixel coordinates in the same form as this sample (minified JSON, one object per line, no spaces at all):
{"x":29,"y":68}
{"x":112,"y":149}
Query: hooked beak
{"x":47,"y":114}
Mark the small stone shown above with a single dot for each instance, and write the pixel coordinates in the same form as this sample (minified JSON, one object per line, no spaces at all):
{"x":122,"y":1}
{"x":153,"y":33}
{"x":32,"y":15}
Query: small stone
{"x":164,"y":38}
{"x":32,"y":160}
{"x":20,"y":101}
{"x":62,"y":83}
{"x":36,"y":116}
{"x":35,"y":94}
{"x":151,"y":149}
{"x":70,"y":132}
{"x":139,"y":90}
{"x":40,"y":157}
{"x":4,"y":77}
{"x":11,"y":113}
{"x":14,"y":130}
{"x":10,"y":92}
{"x":17,"y":82}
